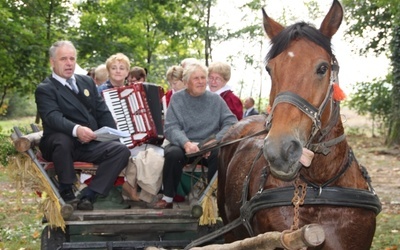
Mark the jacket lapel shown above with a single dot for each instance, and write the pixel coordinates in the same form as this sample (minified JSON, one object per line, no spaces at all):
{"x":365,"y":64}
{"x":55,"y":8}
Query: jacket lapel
{"x":70,"y":97}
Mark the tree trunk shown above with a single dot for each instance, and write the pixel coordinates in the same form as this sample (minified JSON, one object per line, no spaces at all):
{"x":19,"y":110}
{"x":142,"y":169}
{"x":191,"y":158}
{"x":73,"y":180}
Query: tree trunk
{"x":207,"y":39}
{"x":394,"y":125}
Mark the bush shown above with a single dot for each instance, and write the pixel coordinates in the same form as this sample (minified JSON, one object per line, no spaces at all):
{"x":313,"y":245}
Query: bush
{"x":6,"y":149}
{"x":374,"y":99}
{"x":20,"y":106}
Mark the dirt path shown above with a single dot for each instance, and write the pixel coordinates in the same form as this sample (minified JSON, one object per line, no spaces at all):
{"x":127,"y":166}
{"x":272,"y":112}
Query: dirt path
{"x":383,"y":164}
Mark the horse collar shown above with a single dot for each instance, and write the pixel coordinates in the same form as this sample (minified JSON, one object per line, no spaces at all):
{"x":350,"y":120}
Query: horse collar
{"x":346,"y":166}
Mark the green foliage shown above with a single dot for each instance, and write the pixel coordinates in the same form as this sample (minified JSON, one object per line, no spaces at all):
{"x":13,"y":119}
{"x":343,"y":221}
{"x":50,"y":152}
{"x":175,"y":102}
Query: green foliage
{"x":394,"y":130}
{"x":21,"y":106}
{"x":27,"y":30}
{"x":372,"y":20}
{"x":154,"y":35}
{"x":6,"y":149}
{"x":373,"y":99}
{"x":378,"y":22}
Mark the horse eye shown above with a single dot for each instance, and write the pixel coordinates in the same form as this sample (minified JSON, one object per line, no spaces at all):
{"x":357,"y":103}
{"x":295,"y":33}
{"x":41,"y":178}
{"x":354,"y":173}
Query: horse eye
{"x":268,"y":70}
{"x":322,"y":70}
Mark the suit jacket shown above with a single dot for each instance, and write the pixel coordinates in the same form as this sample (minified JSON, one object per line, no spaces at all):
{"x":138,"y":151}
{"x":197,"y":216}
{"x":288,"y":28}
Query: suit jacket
{"x":253,"y":111}
{"x":61,"y":109}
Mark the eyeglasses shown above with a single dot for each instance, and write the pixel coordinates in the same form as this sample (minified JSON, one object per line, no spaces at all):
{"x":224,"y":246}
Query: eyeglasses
{"x":216,"y":79}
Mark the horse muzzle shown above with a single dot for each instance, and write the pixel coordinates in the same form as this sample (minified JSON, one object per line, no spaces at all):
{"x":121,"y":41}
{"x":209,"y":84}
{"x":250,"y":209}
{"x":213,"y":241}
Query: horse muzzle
{"x":283,"y":156}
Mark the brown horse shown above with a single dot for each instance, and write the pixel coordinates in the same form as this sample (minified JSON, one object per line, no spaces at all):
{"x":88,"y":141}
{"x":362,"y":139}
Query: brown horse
{"x":302,"y":170}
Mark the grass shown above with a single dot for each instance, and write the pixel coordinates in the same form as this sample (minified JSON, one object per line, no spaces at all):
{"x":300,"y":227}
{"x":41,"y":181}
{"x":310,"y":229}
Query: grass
{"x":387,"y":234}
{"x":20,"y":219}
{"x":6,"y":126}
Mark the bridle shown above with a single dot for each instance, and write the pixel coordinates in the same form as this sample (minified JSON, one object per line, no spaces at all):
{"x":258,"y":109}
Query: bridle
{"x":312,"y":194}
{"x":314,"y":114}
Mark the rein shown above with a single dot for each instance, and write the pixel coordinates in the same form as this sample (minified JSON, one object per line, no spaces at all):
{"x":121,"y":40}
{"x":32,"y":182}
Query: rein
{"x":311,"y":194}
{"x":306,"y":193}
{"x":216,"y":145}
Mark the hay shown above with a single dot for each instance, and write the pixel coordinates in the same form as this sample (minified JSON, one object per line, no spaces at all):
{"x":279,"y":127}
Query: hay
{"x":26,"y":173}
{"x":209,"y":205}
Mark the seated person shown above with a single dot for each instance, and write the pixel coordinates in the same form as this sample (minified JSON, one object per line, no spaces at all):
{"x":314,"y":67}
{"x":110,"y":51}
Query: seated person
{"x":100,"y":74}
{"x":71,"y":109}
{"x":174,"y":78}
{"x":219,"y":74}
{"x":137,"y":75}
{"x":187,"y":61}
{"x":249,"y":106}
{"x":194,"y":115}
{"x":118,"y":69}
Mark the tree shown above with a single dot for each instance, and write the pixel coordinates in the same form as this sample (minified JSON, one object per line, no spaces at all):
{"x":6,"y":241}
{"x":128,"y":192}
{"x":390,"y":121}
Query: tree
{"x":378,"y":22}
{"x":153,"y":34}
{"x":27,"y":30}
{"x":373,"y":98}
{"x":253,"y":36}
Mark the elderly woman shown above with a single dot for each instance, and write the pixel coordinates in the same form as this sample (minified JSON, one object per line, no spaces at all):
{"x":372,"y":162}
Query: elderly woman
{"x":219,"y":74}
{"x":118,"y":66}
{"x":174,"y":77}
{"x":194,"y":115}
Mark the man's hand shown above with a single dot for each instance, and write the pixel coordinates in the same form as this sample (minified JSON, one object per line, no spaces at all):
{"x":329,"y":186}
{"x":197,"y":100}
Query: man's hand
{"x":191,"y":147}
{"x":85,"y":134}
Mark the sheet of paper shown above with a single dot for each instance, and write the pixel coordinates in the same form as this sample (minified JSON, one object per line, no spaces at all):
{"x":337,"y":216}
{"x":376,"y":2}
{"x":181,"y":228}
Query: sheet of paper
{"x":108,"y":134}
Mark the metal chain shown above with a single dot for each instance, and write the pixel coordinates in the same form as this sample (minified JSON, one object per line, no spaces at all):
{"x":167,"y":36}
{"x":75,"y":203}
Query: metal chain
{"x":298,"y":200}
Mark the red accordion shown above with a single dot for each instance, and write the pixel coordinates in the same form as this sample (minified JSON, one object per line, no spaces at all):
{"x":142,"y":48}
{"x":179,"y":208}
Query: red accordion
{"x":135,"y":113}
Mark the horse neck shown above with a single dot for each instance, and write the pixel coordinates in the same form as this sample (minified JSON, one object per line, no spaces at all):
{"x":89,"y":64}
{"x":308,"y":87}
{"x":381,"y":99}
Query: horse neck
{"x":325,"y":167}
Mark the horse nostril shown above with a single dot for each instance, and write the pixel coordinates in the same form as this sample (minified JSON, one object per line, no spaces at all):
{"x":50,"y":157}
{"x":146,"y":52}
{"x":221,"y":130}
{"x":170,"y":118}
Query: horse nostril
{"x":292,"y":150}
{"x":286,"y":150}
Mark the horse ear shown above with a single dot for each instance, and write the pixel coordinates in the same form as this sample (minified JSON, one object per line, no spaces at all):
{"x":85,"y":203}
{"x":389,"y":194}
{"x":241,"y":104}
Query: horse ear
{"x":332,"y":20}
{"x":271,"y":27}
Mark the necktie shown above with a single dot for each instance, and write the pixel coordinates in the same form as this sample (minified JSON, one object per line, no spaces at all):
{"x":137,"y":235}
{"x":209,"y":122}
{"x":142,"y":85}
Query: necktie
{"x":73,"y":86}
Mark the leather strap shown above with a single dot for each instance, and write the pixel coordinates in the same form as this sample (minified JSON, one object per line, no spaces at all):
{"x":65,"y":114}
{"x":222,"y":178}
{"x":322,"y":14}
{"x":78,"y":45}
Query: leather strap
{"x":215,"y":145}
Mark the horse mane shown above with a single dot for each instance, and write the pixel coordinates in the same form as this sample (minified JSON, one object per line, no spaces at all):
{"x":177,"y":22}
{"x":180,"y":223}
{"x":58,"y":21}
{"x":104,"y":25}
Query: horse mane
{"x":296,"y":31}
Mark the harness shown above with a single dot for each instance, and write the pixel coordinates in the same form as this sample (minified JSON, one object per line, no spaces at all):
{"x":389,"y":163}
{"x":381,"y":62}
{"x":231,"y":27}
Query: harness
{"x":304,"y":192}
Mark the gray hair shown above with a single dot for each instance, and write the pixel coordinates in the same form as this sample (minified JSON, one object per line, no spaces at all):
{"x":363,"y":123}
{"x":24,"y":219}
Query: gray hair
{"x":222,"y":68}
{"x":58,"y":44}
{"x":188,"y":71}
{"x":187,"y":61}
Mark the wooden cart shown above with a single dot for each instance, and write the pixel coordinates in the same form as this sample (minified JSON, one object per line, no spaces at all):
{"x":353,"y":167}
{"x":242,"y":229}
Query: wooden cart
{"x":127,"y":225}
{"x":132,"y":225}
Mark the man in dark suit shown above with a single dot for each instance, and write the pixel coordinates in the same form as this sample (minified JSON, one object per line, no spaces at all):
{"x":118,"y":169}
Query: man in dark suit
{"x":69,"y":119}
{"x":249,"y":106}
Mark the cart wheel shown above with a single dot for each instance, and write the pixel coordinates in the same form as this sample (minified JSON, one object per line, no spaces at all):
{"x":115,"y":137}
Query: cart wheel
{"x":52,"y":238}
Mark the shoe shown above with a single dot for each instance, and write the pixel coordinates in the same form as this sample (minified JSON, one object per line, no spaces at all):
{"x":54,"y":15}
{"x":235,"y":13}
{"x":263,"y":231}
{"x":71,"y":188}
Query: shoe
{"x":179,"y":198}
{"x":85,"y":204}
{"x":69,"y":197}
{"x":162,"y":204}
{"x":87,"y":198}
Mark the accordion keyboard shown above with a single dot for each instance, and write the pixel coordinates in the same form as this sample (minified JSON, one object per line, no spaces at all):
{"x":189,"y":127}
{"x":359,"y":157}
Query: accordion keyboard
{"x":130,"y":109}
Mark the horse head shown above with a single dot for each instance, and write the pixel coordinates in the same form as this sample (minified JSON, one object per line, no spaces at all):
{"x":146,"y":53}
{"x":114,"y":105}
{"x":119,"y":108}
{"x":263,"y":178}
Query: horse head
{"x":301,"y":66}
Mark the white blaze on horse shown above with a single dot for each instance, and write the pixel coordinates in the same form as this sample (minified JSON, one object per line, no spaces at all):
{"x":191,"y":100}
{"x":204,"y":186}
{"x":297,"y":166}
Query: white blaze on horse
{"x":302,"y":170}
